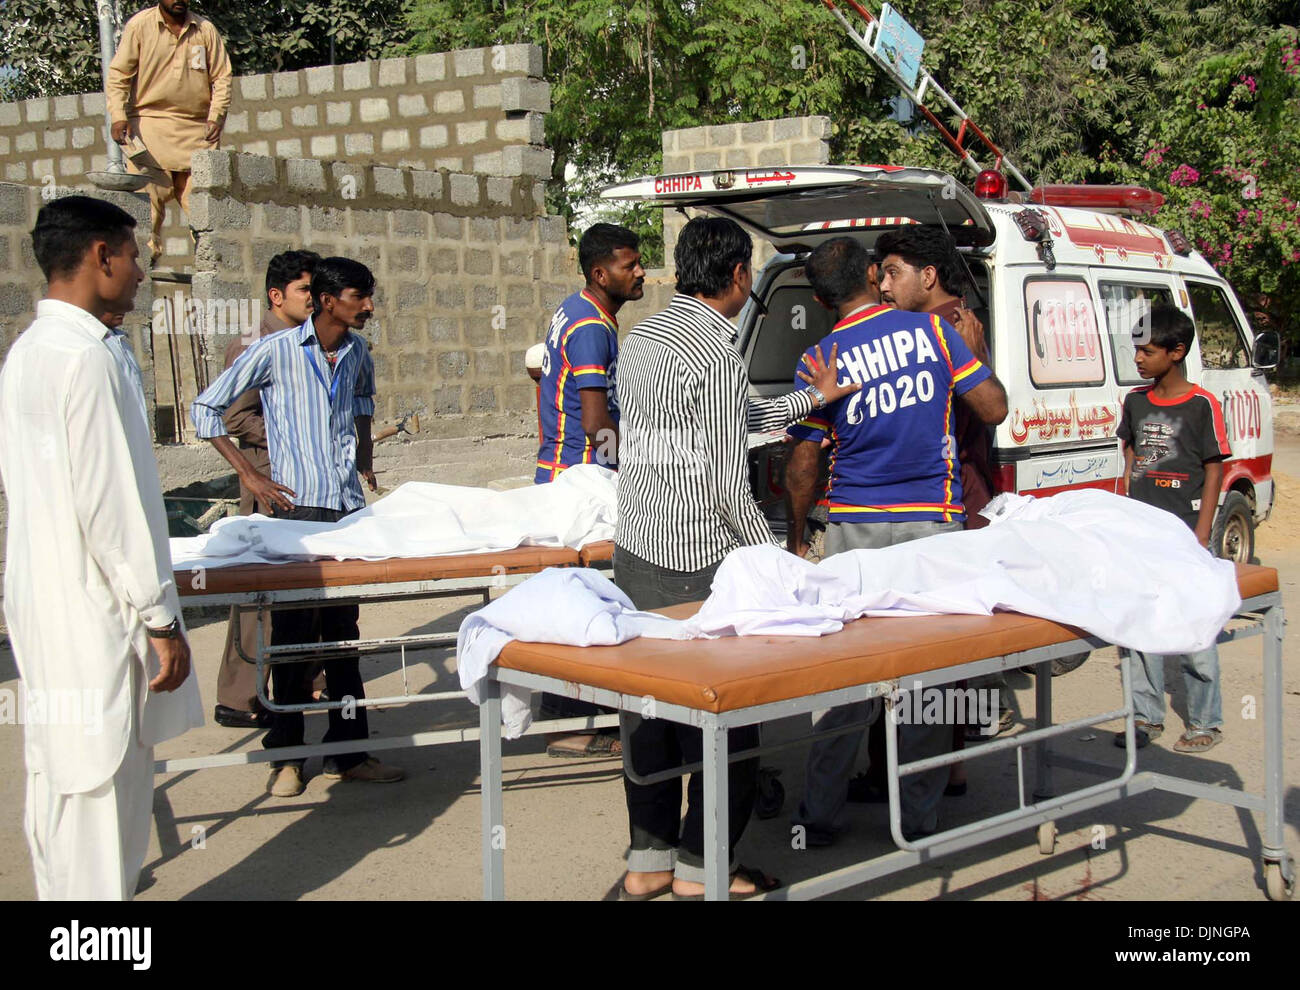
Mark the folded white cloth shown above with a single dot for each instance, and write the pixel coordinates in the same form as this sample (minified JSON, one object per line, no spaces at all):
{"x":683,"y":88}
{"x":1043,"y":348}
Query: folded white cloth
{"x":1126,"y":572}
{"x":574,"y":605}
{"x":419,"y":519}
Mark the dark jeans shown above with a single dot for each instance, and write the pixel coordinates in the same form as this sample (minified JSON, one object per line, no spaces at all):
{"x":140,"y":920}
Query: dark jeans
{"x":660,"y":836}
{"x":291,"y":683}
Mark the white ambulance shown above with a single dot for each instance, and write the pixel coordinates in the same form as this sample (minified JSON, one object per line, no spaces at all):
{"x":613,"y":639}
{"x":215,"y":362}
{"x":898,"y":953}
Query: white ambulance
{"x":1058,"y":281}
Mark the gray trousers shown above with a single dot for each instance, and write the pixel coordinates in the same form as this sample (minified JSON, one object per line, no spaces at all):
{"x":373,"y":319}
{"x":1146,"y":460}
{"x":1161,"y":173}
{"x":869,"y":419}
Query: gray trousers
{"x":830,"y":761}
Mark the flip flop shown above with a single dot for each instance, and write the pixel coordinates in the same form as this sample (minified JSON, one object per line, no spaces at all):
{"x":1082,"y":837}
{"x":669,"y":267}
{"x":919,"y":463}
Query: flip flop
{"x":598,"y":747}
{"x":650,"y":895}
{"x":763,"y":884}
{"x":1188,"y":741}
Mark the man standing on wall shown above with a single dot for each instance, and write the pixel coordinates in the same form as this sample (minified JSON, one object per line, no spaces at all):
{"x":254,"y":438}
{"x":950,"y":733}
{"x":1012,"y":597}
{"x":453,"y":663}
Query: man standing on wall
{"x":169,"y":84}
{"x":93,"y":614}
{"x":288,"y":297}
{"x":317,"y":384}
{"x":577,"y":409}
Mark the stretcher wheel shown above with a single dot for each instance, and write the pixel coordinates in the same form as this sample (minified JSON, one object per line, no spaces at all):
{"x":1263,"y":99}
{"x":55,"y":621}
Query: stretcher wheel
{"x":771,"y":793}
{"x":1275,"y":883}
{"x":1047,"y":838}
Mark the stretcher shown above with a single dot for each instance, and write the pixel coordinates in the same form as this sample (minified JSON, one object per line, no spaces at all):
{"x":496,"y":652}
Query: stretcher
{"x":311,"y":584}
{"x":720,"y":684}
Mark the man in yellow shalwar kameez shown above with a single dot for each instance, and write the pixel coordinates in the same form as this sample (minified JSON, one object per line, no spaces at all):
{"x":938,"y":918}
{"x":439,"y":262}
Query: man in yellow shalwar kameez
{"x":169,"y":84}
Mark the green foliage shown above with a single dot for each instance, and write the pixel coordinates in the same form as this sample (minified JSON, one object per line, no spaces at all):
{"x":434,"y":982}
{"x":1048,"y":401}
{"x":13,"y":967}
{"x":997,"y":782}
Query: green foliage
{"x":54,"y":50}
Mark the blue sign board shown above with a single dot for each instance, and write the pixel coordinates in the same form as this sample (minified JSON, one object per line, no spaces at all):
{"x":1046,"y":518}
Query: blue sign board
{"x":898,"y":42}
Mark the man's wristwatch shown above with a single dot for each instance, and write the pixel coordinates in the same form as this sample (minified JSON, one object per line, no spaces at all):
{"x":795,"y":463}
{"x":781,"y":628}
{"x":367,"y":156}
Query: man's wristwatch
{"x":172,"y":631}
{"x":817,"y":395}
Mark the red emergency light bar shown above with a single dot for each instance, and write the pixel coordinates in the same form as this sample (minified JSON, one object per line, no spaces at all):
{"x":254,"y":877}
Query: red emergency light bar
{"x":1118,"y":199}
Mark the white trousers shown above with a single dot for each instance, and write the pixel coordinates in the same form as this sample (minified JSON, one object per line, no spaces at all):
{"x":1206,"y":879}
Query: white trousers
{"x":91,"y":846}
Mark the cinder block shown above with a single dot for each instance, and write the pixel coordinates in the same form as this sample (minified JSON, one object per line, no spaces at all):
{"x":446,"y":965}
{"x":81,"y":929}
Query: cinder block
{"x":392,"y":72}
{"x":510,"y":59}
{"x":677,"y":163}
{"x":4,"y":145}
{"x":37,"y":111}
{"x":471,"y":132}
{"x":372,"y":223}
{"x":446,"y":401}
{"x":209,"y":211}
{"x":320,"y":79}
{"x":279,"y":219}
{"x":15,"y":171}
{"x":426,"y":185}
{"x":395,"y":140}
{"x":288,"y":148}
{"x":810,"y":153}
{"x":359,"y":75}
{"x":518,"y":229}
{"x":487,"y":96}
{"x":521,"y":295}
{"x":82,"y":137}
{"x":528,"y":129}
{"x":55,"y":139}
{"x":515,"y":263}
{"x":324,"y":218}
{"x":443,"y":260}
{"x":10,"y":115}
{"x":305,"y":116}
{"x":739,"y":158}
{"x":210,"y":170}
{"x":324,"y":146}
{"x":489,"y":365}
{"x":42,"y":167}
{"x":525,"y":94}
{"x":255,"y":170}
{"x":772,"y":156}
{"x":452,"y":101}
{"x":691,"y":138}
{"x":359,"y":144}
{"x":500,"y":191}
{"x":450,"y":164}
{"x":434,"y":136}
{"x":818,"y":127}
{"x":92,"y":103}
{"x":338,"y":112}
{"x":270,"y":120}
{"x":722,"y":135}
{"x":252,"y":87}
{"x":256,"y":148}
{"x":65,"y":108}
{"x":410,"y":223}
{"x":390,"y":182}
{"x":304,"y":174}
{"x":447,"y":226}
{"x":374,"y":109}
{"x":488,"y":163}
{"x":468,"y":61}
{"x":553,"y":230}
{"x":464,"y":189}
{"x":412,"y":105}
{"x":483,"y":230}
{"x":236,"y":123}
{"x":707,"y":159}
{"x":787,"y":129}
{"x":285,"y":85}
{"x":13,"y":205}
{"x":430,"y":68}
{"x":526,"y":160}
{"x":482,"y":400}
{"x":757,"y":132}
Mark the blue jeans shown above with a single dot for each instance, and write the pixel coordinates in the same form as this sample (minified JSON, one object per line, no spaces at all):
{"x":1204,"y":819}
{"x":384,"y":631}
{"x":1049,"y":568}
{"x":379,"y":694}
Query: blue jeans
{"x":1200,"y":676}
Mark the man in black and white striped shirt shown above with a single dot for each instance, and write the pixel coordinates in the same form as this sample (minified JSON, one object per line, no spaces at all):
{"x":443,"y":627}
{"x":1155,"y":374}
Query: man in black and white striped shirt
{"x":684,"y":504}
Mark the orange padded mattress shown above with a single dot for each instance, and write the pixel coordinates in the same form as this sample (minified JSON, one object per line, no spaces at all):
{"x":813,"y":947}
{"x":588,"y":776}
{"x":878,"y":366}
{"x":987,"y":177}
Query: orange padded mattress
{"x":738,"y":672}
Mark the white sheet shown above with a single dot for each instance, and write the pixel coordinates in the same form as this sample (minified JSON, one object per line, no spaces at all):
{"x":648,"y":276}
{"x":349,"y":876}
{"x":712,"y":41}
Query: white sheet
{"x":422,"y":520}
{"x":1126,"y":572}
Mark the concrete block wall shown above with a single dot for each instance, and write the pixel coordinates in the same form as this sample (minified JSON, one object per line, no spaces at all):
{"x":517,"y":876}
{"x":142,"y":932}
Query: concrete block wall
{"x":469,"y":270}
{"x":475,"y":110}
{"x":754,"y":144}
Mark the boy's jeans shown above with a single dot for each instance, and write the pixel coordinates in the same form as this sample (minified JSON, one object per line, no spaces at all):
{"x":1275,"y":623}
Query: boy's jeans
{"x":1200,"y":675}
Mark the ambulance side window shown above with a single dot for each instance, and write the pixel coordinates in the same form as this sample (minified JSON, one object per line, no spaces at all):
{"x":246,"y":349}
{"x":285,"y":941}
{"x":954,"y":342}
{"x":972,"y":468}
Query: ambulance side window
{"x":1064,"y":345}
{"x":795,"y":321}
{"x":1222,"y":345}
{"x":1124,"y":305}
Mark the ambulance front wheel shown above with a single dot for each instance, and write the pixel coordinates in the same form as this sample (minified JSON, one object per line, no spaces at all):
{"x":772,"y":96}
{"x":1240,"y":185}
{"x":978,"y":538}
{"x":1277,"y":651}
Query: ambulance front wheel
{"x":1233,"y":535}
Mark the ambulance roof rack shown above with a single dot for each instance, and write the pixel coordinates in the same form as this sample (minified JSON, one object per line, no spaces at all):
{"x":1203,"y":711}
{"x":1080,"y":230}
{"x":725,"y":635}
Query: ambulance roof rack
{"x":866,"y":40}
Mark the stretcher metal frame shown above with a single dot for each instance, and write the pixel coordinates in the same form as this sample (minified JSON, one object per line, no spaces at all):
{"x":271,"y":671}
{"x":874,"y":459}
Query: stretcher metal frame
{"x":1263,"y":614}
{"x":418,"y":589}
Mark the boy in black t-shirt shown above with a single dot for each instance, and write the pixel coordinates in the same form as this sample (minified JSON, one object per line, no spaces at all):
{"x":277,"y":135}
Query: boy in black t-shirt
{"x":1174,"y":446}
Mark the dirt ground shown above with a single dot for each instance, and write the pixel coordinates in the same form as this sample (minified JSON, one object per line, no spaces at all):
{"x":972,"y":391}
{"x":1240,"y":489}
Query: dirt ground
{"x":220,"y":836}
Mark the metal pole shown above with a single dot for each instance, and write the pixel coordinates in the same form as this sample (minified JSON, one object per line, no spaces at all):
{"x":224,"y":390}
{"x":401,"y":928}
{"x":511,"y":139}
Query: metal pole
{"x":109,"y":18}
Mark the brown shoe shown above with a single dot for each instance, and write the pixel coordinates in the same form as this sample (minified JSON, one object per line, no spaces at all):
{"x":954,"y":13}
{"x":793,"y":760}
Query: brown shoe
{"x":286,"y":782}
{"x":370,"y":770}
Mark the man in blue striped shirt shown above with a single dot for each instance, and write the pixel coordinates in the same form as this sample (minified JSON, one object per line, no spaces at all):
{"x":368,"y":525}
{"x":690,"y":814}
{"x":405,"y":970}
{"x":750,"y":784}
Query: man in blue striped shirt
{"x":317,"y":384}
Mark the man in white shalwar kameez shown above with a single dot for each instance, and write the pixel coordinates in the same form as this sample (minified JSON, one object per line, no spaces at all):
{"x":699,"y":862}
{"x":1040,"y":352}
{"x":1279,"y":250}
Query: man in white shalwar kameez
{"x":92,"y":611}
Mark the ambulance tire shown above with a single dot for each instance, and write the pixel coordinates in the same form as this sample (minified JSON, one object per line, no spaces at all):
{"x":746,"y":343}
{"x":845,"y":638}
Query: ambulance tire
{"x":1233,"y":535}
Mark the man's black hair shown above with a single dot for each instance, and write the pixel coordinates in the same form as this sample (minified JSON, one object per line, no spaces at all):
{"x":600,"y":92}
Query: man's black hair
{"x":922,"y":247}
{"x":1165,"y":326}
{"x":600,"y":242}
{"x":333,"y":275}
{"x":65,"y":229}
{"x":707,"y":253}
{"x":286,"y":267}
{"x":837,"y":270}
